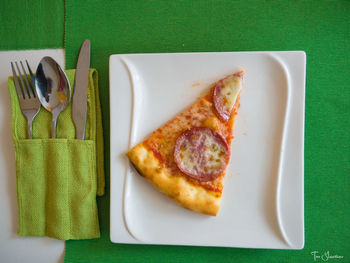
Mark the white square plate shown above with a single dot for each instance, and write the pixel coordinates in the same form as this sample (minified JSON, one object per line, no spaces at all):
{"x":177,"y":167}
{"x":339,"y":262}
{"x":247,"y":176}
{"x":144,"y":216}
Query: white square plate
{"x":263,"y":197}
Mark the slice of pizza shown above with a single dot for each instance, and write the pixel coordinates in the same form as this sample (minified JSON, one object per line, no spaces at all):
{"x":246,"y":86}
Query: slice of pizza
{"x":186,"y":158}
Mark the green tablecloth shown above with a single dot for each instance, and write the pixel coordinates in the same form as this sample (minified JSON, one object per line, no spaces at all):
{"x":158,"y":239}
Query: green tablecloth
{"x":321,"y":28}
{"x":31,"y":24}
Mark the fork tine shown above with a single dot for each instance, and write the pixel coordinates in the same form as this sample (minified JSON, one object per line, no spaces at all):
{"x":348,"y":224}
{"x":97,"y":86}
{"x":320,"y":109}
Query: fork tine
{"x":15,"y":79}
{"x":24,"y":87}
{"x":30,"y":71}
{"x":27,"y":81}
{"x":32,"y":78}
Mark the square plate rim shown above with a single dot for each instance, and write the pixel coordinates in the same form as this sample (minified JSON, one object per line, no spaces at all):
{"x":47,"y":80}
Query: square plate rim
{"x":301,"y":52}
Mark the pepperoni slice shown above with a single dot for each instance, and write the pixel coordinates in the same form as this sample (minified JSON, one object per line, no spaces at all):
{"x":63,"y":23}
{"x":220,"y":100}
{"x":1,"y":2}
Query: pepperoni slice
{"x":201,"y":153}
{"x":225,"y":94}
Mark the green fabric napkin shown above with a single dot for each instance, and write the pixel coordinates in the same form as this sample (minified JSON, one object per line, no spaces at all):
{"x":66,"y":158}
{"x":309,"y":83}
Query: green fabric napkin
{"x":319,"y":27}
{"x":58,"y":179}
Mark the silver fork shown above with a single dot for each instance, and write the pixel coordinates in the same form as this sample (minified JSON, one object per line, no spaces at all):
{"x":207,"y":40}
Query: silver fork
{"x":28,"y":99}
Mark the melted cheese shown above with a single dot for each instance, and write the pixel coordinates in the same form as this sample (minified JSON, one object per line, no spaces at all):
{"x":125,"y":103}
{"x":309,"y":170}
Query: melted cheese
{"x":214,"y":155}
{"x":208,"y":159}
{"x":212,"y":123}
{"x":188,"y":160}
{"x":230,"y":90}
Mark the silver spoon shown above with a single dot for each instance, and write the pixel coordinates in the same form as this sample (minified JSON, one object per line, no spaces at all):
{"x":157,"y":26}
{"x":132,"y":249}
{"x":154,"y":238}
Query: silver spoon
{"x":53,"y":89}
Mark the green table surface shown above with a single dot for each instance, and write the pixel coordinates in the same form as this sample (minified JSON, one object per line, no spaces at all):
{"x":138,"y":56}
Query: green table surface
{"x":320,"y":28}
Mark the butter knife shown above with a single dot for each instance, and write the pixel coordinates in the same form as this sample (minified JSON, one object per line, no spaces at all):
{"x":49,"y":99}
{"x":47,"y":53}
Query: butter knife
{"x":79,"y":103}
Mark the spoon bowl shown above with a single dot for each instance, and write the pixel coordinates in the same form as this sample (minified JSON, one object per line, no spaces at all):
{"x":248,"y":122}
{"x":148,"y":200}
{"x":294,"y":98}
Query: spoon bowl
{"x":53,"y":89}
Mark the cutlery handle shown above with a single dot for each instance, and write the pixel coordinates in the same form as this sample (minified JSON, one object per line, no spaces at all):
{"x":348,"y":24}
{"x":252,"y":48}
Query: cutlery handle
{"x":29,"y":129}
{"x":54,"y":123}
{"x":53,"y":129}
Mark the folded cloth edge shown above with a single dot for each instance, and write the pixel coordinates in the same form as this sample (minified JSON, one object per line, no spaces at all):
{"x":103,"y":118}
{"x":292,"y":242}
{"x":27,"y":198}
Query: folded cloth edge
{"x":98,"y":130}
{"x":93,"y":79}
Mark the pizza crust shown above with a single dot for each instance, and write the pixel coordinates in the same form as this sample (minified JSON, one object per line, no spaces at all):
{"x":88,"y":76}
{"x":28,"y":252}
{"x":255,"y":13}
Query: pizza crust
{"x":183,"y":192}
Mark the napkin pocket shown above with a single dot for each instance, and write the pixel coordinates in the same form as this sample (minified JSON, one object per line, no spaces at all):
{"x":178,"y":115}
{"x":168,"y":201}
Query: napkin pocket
{"x":56,"y":188}
{"x":58,"y":178}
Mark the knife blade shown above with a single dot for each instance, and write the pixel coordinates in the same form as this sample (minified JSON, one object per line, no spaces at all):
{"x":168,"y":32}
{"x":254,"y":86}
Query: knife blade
{"x":79,"y":103}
